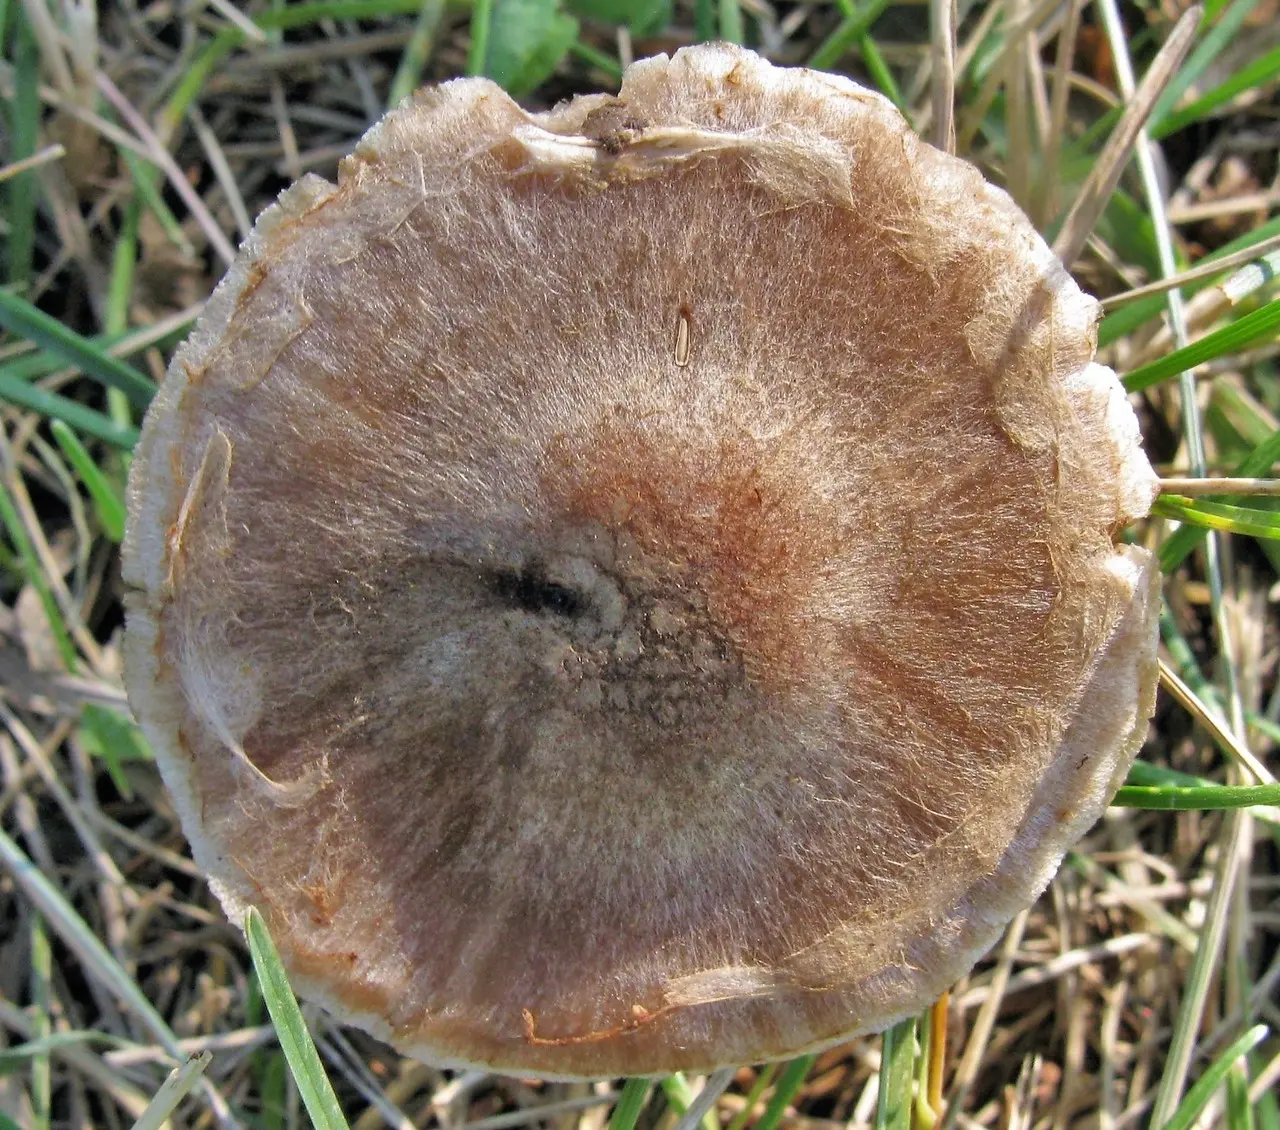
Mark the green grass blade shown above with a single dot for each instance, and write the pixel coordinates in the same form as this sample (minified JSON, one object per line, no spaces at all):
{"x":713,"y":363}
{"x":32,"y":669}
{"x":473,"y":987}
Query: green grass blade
{"x":146,"y":179}
{"x":1219,"y":516}
{"x":731,"y":25}
{"x":1127,"y":226}
{"x":41,"y":957}
{"x":33,"y":364}
{"x":1195,"y":1100}
{"x":114,"y":738}
{"x":172,"y":1091}
{"x":35,"y":575}
{"x":267,"y":1064}
{"x":413,"y":60}
{"x":107,"y":502}
{"x":881,"y":74}
{"x":1188,"y":667}
{"x":295,"y":1041}
{"x":850,"y":29}
{"x":481,"y":22}
{"x":21,"y":317}
{"x":83,"y":942}
{"x":1201,"y":58}
{"x":540,"y":63}
{"x":704,"y":20}
{"x":1256,"y":465}
{"x":124,"y":262}
{"x":1229,"y":339}
{"x":273,"y":1084}
{"x":1266,"y":1110}
{"x":680,"y":1096}
{"x":897,"y":1073}
{"x":630,"y":1104}
{"x":1249,"y":423}
{"x":194,"y":76}
{"x":789,"y":1082}
{"x":1239,"y":1112}
{"x":1260,"y":72}
{"x":57,"y":407}
{"x":1176,"y":798}
{"x":1094,"y":135}
{"x":763,"y":1079}
{"x":602,"y":61}
{"x":1120,"y":323}
{"x":281,"y":18}
{"x":678,"y":1092}
{"x":519,"y":43}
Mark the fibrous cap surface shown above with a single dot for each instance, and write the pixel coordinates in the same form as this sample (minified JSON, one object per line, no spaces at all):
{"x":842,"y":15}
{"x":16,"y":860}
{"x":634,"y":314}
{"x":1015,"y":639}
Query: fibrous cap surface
{"x":633,"y":587}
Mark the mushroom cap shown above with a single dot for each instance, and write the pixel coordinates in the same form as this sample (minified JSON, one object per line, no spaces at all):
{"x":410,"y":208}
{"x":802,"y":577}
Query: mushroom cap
{"x":633,"y":588}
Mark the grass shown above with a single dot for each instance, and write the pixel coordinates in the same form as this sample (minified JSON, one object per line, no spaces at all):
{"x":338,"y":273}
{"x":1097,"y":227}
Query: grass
{"x":1140,"y":990}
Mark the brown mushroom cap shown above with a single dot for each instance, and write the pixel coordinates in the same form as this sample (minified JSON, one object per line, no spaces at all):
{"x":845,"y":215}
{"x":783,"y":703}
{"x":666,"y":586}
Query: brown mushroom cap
{"x":633,"y":587}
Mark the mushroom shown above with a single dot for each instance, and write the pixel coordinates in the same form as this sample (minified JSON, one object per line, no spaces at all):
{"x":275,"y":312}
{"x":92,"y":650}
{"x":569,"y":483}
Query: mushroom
{"x":635,"y":587}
